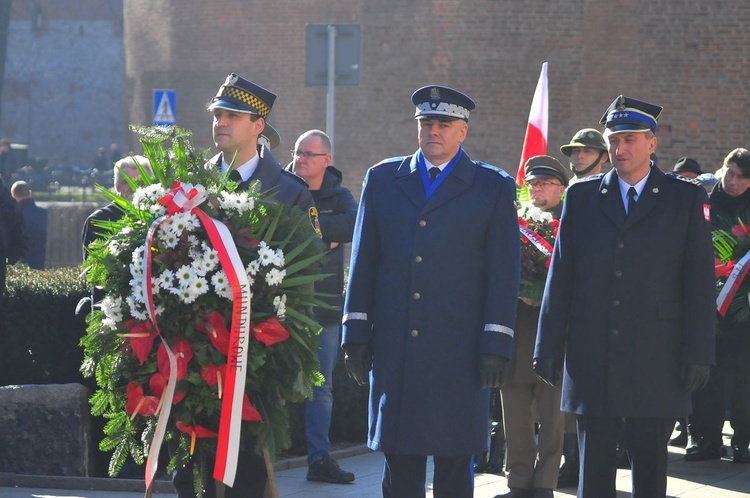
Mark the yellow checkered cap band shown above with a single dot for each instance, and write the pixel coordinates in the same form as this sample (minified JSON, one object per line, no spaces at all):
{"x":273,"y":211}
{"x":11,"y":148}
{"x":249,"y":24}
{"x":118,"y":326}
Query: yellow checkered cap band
{"x":245,"y":97}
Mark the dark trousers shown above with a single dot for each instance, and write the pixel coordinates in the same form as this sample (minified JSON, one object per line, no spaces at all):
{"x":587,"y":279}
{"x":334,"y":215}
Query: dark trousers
{"x":709,"y":405}
{"x":250,"y":481}
{"x":404,"y":476}
{"x":646,"y":439}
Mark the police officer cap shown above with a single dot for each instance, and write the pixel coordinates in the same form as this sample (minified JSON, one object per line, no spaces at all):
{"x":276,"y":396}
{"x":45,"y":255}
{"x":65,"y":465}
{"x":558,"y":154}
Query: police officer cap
{"x":629,"y":115}
{"x":687,"y":164}
{"x":587,"y":138}
{"x":240,"y":95}
{"x":441,"y":102}
{"x":269,"y":137}
{"x":545,"y":167}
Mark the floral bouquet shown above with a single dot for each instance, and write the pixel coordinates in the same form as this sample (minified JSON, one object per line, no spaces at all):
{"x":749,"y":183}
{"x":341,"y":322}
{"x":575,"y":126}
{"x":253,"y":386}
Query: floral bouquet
{"x":731,"y":239}
{"x":204,"y":332}
{"x":538,"y":232}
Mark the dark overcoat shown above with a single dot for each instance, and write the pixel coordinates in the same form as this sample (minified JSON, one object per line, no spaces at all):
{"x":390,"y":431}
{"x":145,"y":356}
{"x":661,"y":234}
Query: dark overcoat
{"x":630,"y":298}
{"x":433,"y":284}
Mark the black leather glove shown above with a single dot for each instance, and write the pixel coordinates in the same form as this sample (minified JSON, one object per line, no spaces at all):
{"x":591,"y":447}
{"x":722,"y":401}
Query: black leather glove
{"x":548,"y":371}
{"x":358,"y":362}
{"x":694,"y":377}
{"x":491,"y":370}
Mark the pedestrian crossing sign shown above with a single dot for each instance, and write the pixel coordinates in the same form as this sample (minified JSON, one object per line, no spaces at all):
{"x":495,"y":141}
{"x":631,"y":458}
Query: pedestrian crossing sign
{"x":164,"y":107}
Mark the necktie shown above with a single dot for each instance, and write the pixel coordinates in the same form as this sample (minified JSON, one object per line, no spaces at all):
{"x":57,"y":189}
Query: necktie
{"x":434,"y":172}
{"x":631,"y":199}
{"x":235,"y":176}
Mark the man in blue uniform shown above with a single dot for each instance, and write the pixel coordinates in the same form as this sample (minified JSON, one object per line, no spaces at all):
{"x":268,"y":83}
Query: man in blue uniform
{"x":629,"y":305}
{"x":431,"y":301}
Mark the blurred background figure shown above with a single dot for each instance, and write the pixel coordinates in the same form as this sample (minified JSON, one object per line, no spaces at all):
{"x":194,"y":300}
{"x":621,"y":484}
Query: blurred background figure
{"x":688,"y":167}
{"x":708,"y":181}
{"x":35,"y":223}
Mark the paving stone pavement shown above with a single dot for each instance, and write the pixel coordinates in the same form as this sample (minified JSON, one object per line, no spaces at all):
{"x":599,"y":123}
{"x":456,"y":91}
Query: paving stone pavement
{"x":710,"y":479}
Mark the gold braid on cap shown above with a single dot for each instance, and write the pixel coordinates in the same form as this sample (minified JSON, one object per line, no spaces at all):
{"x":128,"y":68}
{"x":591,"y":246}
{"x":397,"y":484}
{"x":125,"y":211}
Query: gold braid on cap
{"x":246,"y":97}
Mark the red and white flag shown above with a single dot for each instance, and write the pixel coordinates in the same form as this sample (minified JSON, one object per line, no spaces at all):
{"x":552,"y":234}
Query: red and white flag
{"x":535,"y":141}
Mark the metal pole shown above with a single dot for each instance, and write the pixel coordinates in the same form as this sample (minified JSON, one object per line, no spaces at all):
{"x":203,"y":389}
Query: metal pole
{"x":331,"y":85}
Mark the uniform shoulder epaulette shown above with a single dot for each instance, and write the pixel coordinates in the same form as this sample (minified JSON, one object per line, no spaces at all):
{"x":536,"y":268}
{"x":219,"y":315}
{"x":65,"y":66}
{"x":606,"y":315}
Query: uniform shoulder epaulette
{"x":591,"y":178}
{"x":297,"y":178}
{"x":490,"y":167}
{"x":683,"y":178}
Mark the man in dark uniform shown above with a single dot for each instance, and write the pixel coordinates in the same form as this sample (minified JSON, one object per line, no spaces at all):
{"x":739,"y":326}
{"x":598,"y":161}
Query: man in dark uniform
{"x":431,"y":301}
{"x":629,"y":306}
{"x":240,"y":109}
{"x":533,"y":460}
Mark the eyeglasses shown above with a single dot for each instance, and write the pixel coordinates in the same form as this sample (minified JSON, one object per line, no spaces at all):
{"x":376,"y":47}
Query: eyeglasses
{"x":543,"y":184}
{"x":306,"y":155}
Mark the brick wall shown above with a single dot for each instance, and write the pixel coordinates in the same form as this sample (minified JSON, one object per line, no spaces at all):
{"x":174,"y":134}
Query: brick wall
{"x":690,"y":56}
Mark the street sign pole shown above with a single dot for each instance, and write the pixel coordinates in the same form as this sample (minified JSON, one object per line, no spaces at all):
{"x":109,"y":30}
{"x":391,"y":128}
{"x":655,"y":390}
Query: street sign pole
{"x":330,"y":104}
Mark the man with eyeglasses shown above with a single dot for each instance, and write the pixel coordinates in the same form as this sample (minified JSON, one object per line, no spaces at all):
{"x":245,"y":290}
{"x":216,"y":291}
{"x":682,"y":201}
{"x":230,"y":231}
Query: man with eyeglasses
{"x":431,"y":302}
{"x":533,"y":460}
{"x":337,"y":210}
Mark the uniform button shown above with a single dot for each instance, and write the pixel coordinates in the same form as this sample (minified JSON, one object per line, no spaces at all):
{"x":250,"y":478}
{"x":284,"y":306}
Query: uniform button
{"x":418,"y":259}
{"x":620,"y":245}
{"x":616,"y":302}
{"x":417,"y":295}
{"x":414,"y":333}
{"x":615,"y":332}
{"x":618,"y":274}
{"x":422,"y":223}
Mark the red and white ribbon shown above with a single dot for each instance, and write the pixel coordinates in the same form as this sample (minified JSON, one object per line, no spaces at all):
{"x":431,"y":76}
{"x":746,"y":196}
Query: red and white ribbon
{"x":732,"y":284}
{"x":183,"y":198}
{"x":537,"y":240}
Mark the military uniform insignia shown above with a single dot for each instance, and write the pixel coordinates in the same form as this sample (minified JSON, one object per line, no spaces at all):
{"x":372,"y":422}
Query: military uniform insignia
{"x":683,"y":178}
{"x":312,"y":213}
{"x":655,"y":190}
{"x":604,"y":191}
{"x":435,"y":93}
{"x":707,"y":212}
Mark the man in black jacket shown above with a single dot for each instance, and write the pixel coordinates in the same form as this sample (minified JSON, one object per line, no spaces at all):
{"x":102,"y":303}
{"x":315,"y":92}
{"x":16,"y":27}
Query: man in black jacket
{"x":337,"y":211}
{"x":13,"y":239}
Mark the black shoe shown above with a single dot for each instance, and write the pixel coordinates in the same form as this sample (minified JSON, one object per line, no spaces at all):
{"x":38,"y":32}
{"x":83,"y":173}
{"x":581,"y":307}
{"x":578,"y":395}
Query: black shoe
{"x":328,"y":470}
{"x":516,"y":493}
{"x":679,"y":440}
{"x":706,"y":450}
{"x":543,"y":493}
{"x":740,"y":454}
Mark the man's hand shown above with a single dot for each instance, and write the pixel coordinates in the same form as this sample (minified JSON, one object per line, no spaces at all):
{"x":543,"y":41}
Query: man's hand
{"x":694,"y":377}
{"x":491,"y":370}
{"x":358,"y":362}
{"x":548,"y":371}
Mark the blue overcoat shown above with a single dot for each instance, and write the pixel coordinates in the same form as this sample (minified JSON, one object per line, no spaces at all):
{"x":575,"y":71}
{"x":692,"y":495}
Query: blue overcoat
{"x":630,"y":298}
{"x":433,"y":284}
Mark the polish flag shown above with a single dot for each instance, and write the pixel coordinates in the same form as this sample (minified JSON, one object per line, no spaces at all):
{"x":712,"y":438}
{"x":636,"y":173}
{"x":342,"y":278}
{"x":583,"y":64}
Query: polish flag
{"x":535,"y":141}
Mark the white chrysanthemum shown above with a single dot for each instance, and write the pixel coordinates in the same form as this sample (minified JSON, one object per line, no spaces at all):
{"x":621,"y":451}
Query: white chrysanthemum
{"x":164,"y":280}
{"x":115,"y":247}
{"x":221,"y":285}
{"x":112,"y":308}
{"x":279,"y":258}
{"x":166,"y":236}
{"x":137,"y":310}
{"x":531,"y":212}
{"x":138,"y":265}
{"x":188,"y":295}
{"x":275,"y":276}
{"x":279,"y":304}
{"x":210,"y":257}
{"x":253,"y":268}
{"x":184,"y":275}
{"x":266,"y":255}
{"x":158,"y":310}
{"x":194,"y":241}
{"x":157,"y":210}
{"x":238,"y":201}
{"x":182,"y":222}
{"x":138,"y":292}
{"x":145,"y":197}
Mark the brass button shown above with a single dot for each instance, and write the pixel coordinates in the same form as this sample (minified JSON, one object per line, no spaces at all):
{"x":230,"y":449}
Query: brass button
{"x":418,"y":259}
{"x":414,"y":333}
{"x":417,"y":295}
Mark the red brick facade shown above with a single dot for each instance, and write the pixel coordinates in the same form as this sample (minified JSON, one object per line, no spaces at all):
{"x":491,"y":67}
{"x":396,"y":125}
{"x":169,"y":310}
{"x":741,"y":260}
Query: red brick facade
{"x":690,"y":56}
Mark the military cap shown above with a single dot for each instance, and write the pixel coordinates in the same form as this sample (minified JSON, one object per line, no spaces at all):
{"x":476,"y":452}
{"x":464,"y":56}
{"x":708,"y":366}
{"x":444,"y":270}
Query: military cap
{"x":687,"y":164}
{"x":240,"y":95}
{"x":629,"y":115}
{"x":545,"y":167}
{"x":441,"y":102}
{"x":269,"y":137}
{"x":587,"y":138}
{"x":708,"y":180}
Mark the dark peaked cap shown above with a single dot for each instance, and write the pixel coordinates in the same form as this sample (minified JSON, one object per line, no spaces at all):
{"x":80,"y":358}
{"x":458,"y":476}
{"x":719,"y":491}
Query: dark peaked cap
{"x":240,"y":95}
{"x":441,"y":102}
{"x":626,"y":114}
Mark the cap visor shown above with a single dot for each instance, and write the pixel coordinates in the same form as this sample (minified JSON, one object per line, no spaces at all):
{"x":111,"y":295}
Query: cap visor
{"x":229,"y":106}
{"x":627,"y":128}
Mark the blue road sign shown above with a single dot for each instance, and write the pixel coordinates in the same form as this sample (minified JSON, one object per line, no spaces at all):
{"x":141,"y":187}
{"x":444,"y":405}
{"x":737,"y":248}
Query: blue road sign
{"x":165,"y":107}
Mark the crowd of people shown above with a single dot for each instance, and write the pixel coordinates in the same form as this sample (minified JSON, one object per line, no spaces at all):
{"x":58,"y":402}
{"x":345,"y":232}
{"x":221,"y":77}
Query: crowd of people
{"x":625,"y":341}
